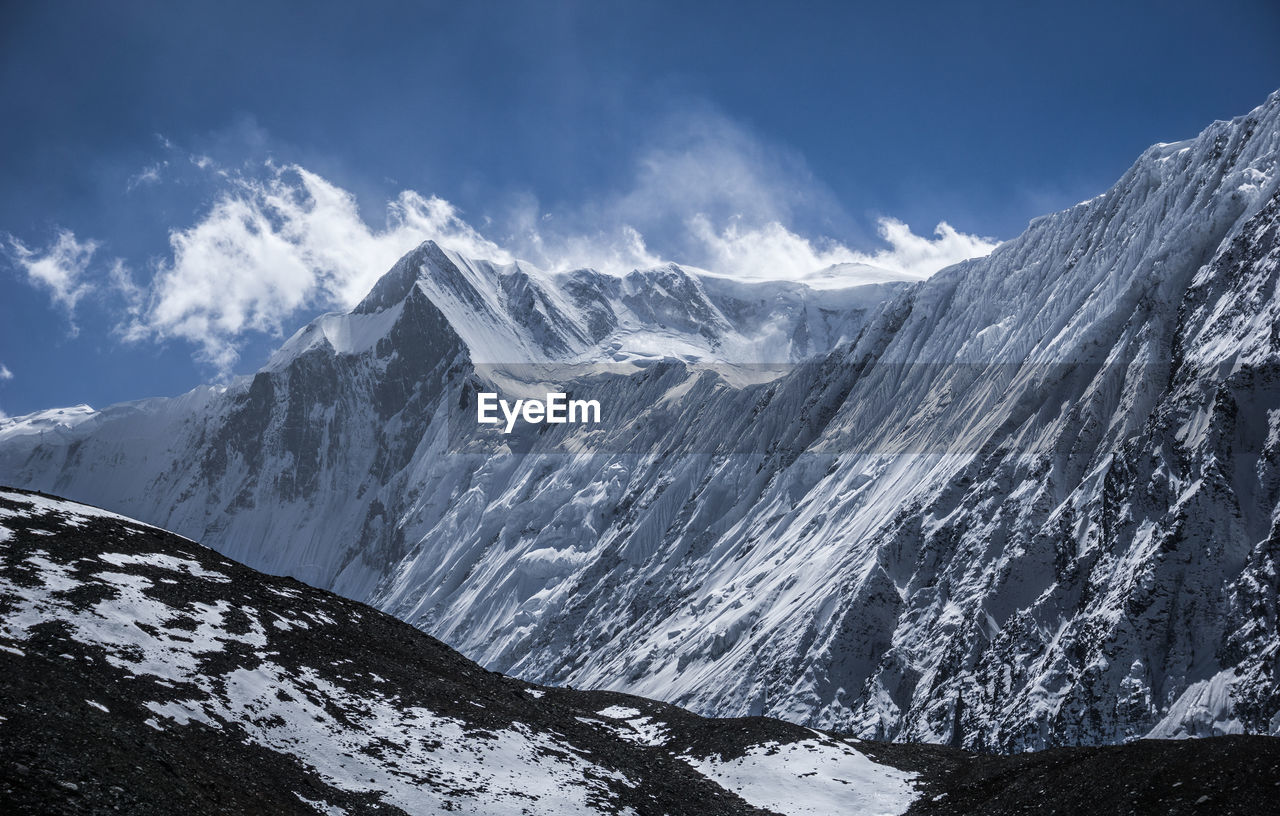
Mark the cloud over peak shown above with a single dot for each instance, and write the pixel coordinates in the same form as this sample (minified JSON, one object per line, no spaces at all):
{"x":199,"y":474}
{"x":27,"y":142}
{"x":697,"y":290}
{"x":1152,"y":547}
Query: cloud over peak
{"x":59,"y":268}
{"x":271,"y":247}
{"x":280,"y":242}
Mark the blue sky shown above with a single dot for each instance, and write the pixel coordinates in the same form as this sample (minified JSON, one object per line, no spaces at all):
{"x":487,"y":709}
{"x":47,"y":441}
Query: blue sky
{"x":748,"y":138}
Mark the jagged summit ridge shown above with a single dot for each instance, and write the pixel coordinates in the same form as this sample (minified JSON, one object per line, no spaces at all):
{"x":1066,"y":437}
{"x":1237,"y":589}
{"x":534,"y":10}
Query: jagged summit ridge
{"x":516,"y":313}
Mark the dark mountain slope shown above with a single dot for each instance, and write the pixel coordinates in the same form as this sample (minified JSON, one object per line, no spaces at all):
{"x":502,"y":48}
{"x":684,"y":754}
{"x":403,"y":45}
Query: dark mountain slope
{"x":143,"y":673}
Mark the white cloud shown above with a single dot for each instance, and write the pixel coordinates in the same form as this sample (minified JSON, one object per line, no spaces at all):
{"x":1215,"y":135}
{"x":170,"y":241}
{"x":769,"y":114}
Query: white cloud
{"x":270,"y":247}
{"x":59,"y":268}
{"x":703,"y":163}
{"x":122,"y":283}
{"x":918,"y":256}
{"x":147,"y":175}
{"x":5,"y":375}
{"x":773,"y":252}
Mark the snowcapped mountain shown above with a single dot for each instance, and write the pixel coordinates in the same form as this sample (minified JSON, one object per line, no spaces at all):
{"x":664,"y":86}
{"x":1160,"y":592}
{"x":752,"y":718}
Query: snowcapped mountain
{"x":144,"y":673}
{"x":1033,"y":500}
{"x":327,"y":444}
{"x":515,"y":313}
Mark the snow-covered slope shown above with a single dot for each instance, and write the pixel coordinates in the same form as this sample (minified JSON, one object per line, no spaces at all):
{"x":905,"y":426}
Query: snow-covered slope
{"x":1032,"y":500}
{"x":143,"y":673}
{"x":146,"y":674}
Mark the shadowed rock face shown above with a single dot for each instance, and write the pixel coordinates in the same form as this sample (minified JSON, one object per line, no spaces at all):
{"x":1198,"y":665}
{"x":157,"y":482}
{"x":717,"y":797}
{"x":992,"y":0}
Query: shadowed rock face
{"x":1031,"y":501}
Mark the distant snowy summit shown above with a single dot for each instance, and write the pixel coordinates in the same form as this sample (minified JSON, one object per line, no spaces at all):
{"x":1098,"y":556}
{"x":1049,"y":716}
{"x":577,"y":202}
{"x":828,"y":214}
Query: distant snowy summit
{"x":516,"y":313}
{"x":1033,"y":500}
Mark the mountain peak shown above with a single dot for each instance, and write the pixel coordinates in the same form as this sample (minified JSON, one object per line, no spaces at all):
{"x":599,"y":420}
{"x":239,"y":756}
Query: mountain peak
{"x":517,"y":313}
{"x":395,"y":284}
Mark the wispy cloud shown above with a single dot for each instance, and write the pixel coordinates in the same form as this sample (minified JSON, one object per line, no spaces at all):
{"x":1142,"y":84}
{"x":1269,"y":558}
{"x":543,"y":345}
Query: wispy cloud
{"x":60,"y":268}
{"x":773,"y":252}
{"x":5,"y":376}
{"x":708,"y":193}
{"x":151,"y":174}
{"x":698,"y":168}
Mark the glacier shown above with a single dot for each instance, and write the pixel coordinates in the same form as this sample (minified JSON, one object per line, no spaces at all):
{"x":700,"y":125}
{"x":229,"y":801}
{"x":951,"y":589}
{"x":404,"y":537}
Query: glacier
{"x":1033,"y":500}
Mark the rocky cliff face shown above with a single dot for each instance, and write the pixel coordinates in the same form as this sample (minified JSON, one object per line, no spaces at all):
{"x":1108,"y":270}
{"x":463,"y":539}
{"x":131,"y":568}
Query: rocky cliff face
{"x":1030,"y":501}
